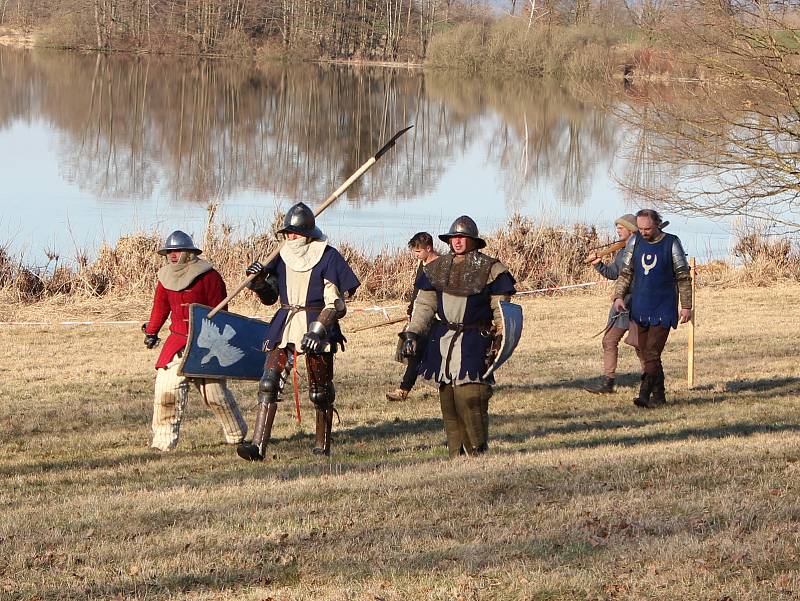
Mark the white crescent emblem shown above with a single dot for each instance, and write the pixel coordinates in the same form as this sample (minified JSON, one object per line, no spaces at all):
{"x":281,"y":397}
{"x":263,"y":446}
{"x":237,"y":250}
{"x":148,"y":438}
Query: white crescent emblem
{"x":648,"y":266}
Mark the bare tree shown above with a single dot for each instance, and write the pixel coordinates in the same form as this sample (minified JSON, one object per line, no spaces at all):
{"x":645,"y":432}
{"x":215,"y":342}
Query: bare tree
{"x":733,"y":140}
{"x":647,"y":13}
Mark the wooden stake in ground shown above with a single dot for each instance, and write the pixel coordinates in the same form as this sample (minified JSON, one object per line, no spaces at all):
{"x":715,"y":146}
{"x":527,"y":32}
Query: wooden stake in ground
{"x":690,"y":359}
{"x":325,"y":204}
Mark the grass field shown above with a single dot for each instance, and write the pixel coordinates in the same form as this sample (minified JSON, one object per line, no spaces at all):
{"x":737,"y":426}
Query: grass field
{"x":580,"y":497}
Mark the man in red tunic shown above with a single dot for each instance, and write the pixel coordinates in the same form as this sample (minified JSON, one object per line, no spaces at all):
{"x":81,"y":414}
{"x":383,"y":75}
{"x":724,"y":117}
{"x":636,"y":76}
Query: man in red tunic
{"x":185,"y":279}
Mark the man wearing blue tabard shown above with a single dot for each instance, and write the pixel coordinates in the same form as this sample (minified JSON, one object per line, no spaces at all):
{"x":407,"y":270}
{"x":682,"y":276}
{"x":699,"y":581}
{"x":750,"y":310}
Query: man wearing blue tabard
{"x":656,"y":272}
{"x":458,"y":309}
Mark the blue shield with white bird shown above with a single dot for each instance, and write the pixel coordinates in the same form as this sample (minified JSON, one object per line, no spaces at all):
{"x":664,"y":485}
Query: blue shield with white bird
{"x":228,"y":345}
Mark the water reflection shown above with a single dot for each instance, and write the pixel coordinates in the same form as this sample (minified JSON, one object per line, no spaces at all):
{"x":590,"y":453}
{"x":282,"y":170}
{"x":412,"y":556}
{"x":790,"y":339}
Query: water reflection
{"x":126,"y":141}
{"x":203,"y":130}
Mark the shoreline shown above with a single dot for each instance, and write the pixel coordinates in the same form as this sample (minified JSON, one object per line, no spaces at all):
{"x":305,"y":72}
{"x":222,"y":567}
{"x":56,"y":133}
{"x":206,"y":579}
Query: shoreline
{"x":26,"y":39}
{"x":542,"y":258}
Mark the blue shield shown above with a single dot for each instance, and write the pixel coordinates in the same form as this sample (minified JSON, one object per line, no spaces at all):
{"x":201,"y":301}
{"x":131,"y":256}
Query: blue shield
{"x":512,"y":332}
{"x":226,"y":346}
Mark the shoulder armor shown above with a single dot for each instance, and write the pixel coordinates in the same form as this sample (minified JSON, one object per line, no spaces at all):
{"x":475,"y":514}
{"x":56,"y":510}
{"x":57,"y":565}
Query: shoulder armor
{"x":679,"y":261}
{"x":627,"y":252}
{"x":495,"y":270}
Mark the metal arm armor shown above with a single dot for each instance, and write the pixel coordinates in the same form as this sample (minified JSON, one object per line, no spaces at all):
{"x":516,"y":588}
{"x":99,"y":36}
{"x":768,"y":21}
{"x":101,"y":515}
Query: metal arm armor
{"x":327,"y":317}
{"x":623,"y":283}
{"x":627,"y":252}
{"x":680,"y":263}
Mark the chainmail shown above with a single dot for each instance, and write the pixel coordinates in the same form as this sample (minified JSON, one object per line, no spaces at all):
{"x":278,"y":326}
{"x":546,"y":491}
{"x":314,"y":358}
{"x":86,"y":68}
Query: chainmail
{"x":463,"y":277}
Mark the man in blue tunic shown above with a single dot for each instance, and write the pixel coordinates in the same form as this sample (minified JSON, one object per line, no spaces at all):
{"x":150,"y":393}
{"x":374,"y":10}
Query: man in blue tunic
{"x":463,"y":289}
{"x":311,"y":280}
{"x":656,"y":272}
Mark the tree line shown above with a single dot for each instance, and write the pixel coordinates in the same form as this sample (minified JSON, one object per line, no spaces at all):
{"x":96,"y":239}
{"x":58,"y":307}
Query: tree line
{"x":352,"y":29}
{"x":369,"y":29}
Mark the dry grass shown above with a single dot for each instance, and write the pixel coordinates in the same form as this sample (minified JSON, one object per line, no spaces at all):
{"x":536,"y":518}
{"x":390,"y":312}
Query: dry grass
{"x":581,"y":497}
{"x":509,"y":48}
{"x":537,"y":254}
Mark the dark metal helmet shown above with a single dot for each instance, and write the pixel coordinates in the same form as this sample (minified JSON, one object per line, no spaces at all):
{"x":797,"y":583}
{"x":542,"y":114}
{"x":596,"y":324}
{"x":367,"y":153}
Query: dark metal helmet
{"x":464,"y":226}
{"x":299,"y":219}
{"x":178,"y":240}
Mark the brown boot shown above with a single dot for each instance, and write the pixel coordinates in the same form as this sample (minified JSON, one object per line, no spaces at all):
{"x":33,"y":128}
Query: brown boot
{"x":646,"y":388}
{"x":606,"y":386}
{"x":398,"y":394}
{"x":659,"y":396}
{"x":256,"y":450}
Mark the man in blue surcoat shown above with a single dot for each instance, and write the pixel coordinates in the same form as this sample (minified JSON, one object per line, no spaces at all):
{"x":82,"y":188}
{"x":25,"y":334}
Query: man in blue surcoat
{"x":458,"y":305}
{"x":311,"y":280}
{"x":656,"y":273}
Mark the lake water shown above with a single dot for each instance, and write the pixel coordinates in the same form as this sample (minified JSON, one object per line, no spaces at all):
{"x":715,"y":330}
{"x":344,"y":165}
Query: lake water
{"x":93,"y":147}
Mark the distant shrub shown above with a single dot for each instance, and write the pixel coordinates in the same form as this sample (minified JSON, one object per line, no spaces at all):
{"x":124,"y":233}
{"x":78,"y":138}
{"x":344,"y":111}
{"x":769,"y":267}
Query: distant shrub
{"x":766,"y":259}
{"x":536,"y":254}
{"x":235,"y":43}
{"x":68,"y":30}
{"x":460,"y":47}
{"x":510,"y":47}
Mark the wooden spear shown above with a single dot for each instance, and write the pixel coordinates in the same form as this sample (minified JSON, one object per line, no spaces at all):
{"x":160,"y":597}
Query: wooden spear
{"x":325,"y":204}
{"x":690,"y":355}
{"x":380,"y":325}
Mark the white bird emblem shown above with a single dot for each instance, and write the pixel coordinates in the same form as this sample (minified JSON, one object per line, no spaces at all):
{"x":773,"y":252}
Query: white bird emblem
{"x":217,"y":344}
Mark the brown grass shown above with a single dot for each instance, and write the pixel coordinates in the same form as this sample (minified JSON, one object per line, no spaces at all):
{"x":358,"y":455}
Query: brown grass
{"x":509,"y":48}
{"x":581,"y":497}
{"x":536,"y":254}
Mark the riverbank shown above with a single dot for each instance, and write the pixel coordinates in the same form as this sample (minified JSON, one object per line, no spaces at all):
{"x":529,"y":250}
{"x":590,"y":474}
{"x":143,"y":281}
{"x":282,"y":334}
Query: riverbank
{"x":539,"y":256}
{"x":580,"y":496}
{"x":500,"y":49}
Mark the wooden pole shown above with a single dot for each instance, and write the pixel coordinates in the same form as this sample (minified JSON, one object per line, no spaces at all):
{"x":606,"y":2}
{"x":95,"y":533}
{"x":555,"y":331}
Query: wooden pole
{"x":380,"y":325}
{"x":325,"y":204}
{"x":690,"y":358}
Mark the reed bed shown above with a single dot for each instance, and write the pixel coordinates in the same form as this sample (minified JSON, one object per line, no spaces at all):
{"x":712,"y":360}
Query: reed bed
{"x":538,"y":255}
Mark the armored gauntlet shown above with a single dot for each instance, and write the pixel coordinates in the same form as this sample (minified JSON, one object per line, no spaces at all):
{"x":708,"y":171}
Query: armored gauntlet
{"x":320,"y":330}
{"x":494,"y":348}
{"x":265,"y":284}
{"x":150,"y":340}
{"x":410,"y":344}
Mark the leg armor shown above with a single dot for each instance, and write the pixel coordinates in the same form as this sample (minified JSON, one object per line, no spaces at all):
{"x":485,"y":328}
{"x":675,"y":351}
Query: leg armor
{"x":469,"y":400}
{"x":659,"y":393}
{"x":453,"y":426}
{"x":268,"y":389}
{"x":646,"y":386}
{"x":323,"y":394}
{"x":219,"y":398}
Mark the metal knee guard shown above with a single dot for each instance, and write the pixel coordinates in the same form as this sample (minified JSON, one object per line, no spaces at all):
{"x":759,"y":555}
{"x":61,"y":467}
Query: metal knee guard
{"x":269,"y":386}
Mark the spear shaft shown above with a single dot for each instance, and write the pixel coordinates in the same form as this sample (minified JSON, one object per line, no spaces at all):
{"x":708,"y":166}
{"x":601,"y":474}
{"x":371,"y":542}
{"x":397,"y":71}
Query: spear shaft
{"x":325,"y":204}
